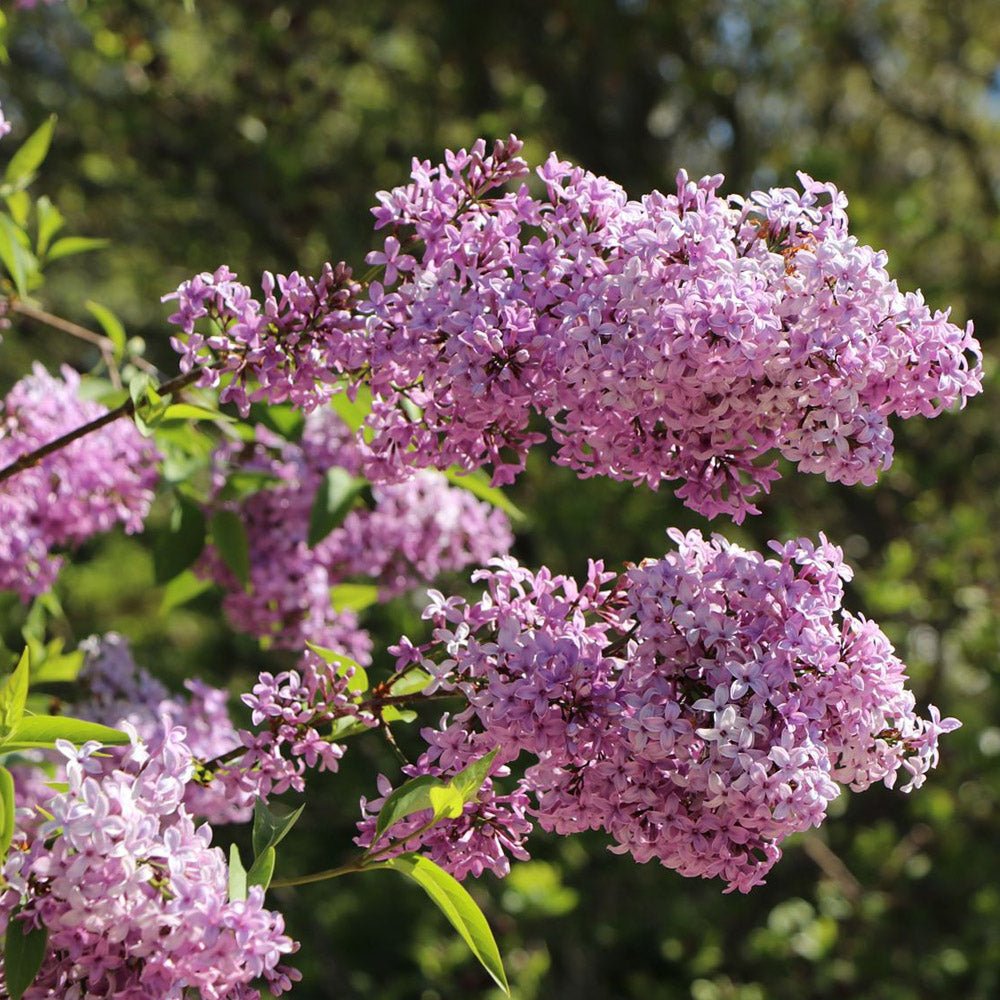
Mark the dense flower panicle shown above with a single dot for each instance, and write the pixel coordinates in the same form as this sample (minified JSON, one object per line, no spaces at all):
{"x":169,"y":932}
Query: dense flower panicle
{"x":699,"y":708}
{"x":412,"y":532}
{"x":293,"y":343}
{"x":687,"y":337}
{"x":134,"y":898}
{"x":85,"y":488}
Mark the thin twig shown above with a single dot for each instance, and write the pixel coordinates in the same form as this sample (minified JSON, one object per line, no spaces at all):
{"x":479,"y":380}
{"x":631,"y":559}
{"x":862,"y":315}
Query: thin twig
{"x":125,"y":410}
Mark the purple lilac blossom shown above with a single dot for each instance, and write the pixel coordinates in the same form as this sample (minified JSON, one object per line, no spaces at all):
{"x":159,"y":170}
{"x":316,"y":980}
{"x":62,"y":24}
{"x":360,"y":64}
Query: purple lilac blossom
{"x":698,"y":708}
{"x":687,"y":337}
{"x":5,"y":126}
{"x":413,"y":531}
{"x":88,"y":487}
{"x":134,"y":898}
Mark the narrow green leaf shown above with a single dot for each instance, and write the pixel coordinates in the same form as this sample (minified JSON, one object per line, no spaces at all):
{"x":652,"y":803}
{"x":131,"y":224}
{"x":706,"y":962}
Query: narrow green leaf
{"x":237,"y":876}
{"x":446,"y":802}
{"x":6,"y":812}
{"x":181,"y":589}
{"x":334,"y":498}
{"x":346,"y":667}
{"x":19,"y":262}
{"x":458,"y":906}
{"x":57,"y":667}
{"x":190,"y":411}
{"x":112,"y":326}
{"x":270,"y":827}
{"x":23,"y":951}
{"x":390,"y":713}
{"x":68,"y":246}
{"x":43,"y":730}
{"x":13,"y":695}
{"x":174,"y":551}
{"x":478,"y":484}
{"x":353,"y":596}
{"x":31,"y":153}
{"x":19,"y":205}
{"x":50,"y":221}
{"x":230,"y":537}
{"x":262,"y":870}
{"x":345,"y":727}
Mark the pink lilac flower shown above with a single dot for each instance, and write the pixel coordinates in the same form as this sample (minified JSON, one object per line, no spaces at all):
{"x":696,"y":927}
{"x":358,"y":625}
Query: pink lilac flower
{"x":134,"y":898}
{"x":412,"y":532}
{"x":88,"y":487}
{"x":5,"y":126}
{"x":698,"y":708}
{"x":686,"y":337}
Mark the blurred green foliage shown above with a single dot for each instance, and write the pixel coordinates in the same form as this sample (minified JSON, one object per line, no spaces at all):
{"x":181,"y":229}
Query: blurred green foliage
{"x":255,"y":133}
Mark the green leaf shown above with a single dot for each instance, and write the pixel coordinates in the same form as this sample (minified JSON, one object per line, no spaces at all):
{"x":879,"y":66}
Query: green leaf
{"x":42,"y":731}
{"x":458,"y":906}
{"x":478,"y":484}
{"x":390,"y":713}
{"x":412,"y":682}
{"x":353,"y":596}
{"x":181,"y":589}
{"x":345,"y":727}
{"x":32,"y":152}
{"x":19,"y":204}
{"x":50,"y":221}
{"x":230,"y":537}
{"x":270,"y":827}
{"x":470,"y":779}
{"x":19,"y":261}
{"x":112,"y":326}
{"x":411,"y":797}
{"x":237,"y":876}
{"x":23,"y":951}
{"x":176,"y":550}
{"x":13,"y":695}
{"x":190,"y":411}
{"x":68,"y":246}
{"x":353,"y":412}
{"x":281,"y":418}
{"x":346,"y":667}
{"x":56,"y":667}
{"x":6,"y":811}
{"x":334,"y":498}
{"x":262,"y":870}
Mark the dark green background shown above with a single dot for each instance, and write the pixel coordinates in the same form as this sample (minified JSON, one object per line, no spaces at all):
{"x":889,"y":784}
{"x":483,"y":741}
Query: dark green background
{"x":255,"y":133}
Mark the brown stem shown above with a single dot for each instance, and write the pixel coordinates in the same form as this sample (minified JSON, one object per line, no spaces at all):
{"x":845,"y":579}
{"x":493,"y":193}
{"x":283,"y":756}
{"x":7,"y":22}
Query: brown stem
{"x":125,"y":410}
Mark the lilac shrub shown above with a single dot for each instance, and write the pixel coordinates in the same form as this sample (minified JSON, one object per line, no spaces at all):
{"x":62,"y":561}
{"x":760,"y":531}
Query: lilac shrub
{"x":699,"y":708}
{"x":86,"y":488}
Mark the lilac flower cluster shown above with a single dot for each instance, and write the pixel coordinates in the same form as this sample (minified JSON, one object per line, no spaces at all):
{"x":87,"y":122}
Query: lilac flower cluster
{"x":291,"y":344}
{"x":413,"y":531}
{"x":684,"y":337}
{"x":88,"y":487}
{"x":699,"y":708}
{"x":133,"y":896}
{"x":5,"y":126}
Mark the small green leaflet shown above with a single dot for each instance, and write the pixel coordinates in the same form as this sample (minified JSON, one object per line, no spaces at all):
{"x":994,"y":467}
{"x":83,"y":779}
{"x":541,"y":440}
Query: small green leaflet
{"x":41,"y":732}
{"x":68,"y":246}
{"x":6,"y":812}
{"x":13,"y":696}
{"x":16,"y":258}
{"x":181,"y":589}
{"x":230,"y":537}
{"x":334,"y":498}
{"x":478,"y":484}
{"x":412,"y":682}
{"x":23,"y":951}
{"x":31,"y":153}
{"x":458,"y":906}
{"x":262,"y":870}
{"x":50,"y":221}
{"x":271,"y":827}
{"x":110,"y":324}
{"x":237,"y":876}
{"x":353,"y":596}
{"x":445,"y":799}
